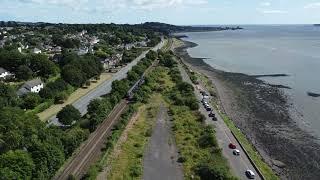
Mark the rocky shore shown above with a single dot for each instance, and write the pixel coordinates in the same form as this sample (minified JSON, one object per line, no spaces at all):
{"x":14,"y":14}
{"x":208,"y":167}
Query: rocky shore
{"x":261,"y":111}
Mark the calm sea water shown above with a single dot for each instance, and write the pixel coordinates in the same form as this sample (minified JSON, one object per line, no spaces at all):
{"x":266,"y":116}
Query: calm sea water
{"x":293,"y":50}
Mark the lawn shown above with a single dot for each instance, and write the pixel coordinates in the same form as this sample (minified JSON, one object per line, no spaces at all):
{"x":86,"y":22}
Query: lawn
{"x":54,"y":109}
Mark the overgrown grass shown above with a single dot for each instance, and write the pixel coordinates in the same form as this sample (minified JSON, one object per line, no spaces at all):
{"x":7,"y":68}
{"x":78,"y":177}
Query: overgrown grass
{"x":128,"y":164}
{"x":188,"y":128}
{"x":254,"y":155}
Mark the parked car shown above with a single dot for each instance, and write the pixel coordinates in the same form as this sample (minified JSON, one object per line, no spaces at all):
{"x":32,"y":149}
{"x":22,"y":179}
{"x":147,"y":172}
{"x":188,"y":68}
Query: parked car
{"x":250,"y":174}
{"x":214,"y":118}
{"x":236,"y":152}
{"x":211,"y":114}
{"x":232,"y":146}
{"x":208,"y":108}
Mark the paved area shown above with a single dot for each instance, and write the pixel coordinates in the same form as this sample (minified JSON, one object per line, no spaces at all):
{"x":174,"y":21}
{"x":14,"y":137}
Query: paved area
{"x":82,"y":103}
{"x":160,"y":158}
{"x":238,"y":164}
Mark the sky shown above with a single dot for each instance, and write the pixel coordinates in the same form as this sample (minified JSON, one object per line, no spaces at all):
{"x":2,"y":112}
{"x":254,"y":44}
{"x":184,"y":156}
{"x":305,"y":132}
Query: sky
{"x":180,"y":12}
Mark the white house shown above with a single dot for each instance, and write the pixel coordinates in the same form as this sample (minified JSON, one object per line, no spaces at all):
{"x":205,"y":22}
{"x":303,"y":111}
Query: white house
{"x":83,"y":51}
{"x":4,"y":73}
{"x":36,"y":51}
{"x":33,"y":86}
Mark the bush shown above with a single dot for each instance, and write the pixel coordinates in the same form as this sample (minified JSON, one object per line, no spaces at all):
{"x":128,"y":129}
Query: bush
{"x":208,"y":171}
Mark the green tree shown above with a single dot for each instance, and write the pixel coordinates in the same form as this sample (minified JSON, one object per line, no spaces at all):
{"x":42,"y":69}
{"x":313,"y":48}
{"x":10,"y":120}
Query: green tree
{"x":16,"y":163}
{"x":73,"y":75}
{"x":31,"y":100}
{"x":73,"y":138}
{"x":68,"y":115}
{"x":24,"y":73}
{"x":8,"y":96}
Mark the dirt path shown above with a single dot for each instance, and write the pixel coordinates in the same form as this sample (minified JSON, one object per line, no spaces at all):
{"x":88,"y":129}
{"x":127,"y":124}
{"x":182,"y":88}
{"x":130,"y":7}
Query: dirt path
{"x":160,"y":158}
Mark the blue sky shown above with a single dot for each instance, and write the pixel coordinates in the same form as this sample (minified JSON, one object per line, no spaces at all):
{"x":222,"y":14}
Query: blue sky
{"x":170,"y":11}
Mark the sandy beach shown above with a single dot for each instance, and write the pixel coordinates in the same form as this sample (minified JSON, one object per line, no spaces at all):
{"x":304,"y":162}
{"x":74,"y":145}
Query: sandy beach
{"x":261,"y":111}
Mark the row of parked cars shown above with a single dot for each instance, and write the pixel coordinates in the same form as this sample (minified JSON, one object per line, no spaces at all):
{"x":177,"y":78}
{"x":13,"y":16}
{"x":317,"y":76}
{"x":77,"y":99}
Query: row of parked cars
{"x":205,"y":101}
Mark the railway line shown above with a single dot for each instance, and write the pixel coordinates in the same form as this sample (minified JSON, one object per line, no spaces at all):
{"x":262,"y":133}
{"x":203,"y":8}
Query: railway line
{"x":90,"y":151}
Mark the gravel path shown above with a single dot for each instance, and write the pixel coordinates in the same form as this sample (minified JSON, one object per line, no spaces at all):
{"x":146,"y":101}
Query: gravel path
{"x":160,"y":158}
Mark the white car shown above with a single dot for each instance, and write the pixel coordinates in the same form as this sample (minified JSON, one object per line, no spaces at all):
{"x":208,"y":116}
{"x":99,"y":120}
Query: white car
{"x":250,"y":174}
{"x":236,"y":152}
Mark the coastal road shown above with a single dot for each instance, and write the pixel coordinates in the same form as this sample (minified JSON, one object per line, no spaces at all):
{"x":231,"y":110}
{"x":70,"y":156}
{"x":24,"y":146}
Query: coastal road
{"x":238,"y":164}
{"x":82,"y":103}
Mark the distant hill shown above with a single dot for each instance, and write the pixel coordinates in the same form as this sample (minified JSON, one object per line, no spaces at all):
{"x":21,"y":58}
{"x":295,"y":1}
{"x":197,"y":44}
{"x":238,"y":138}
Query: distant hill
{"x":155,"y":26}
{"x":316,"y":24}
{"x":168,"y":28}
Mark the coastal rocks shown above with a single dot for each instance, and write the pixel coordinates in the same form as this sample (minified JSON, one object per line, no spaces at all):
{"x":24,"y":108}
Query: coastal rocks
{"x":313,"y":94}
{"x":278,"y":163}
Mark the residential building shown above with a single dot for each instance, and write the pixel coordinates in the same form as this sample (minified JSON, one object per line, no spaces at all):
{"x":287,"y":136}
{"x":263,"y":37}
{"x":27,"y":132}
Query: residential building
{"x":33,"y":86}
{"x":4,"y":73}
{"x":83,"y":51}
{"x":36,"y":51}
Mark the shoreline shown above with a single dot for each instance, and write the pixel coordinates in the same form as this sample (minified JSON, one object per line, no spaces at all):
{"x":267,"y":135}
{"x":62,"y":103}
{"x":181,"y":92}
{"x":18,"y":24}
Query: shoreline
{"x":261,"y":111}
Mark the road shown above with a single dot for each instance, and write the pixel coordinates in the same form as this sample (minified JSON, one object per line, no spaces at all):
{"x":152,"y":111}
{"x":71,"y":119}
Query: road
{"x":238,"y":164}
{"x":161,"y":155}
{"x":91,"y":149}
{"x":82,"y":103}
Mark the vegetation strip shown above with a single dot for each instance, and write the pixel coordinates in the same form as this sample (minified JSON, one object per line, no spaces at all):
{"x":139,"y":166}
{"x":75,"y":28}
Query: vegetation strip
{"x":252,"y":153}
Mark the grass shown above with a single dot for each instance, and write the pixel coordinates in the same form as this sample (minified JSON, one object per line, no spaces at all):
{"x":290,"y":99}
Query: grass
{"x":254,"y":155}
{"x":54,"y":109}
{"x":128,"y":164}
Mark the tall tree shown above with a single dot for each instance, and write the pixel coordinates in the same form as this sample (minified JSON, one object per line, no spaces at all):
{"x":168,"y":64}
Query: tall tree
{"x":68,"y":115}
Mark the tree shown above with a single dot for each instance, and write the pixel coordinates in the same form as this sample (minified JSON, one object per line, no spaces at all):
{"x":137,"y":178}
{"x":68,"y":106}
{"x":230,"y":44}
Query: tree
{"x":24,"y":73}
{"x":16,"y":163}
{"x":73,"y":138}
{"x":68,"y":115}
{"x":73,"y":75}
{"x":47,"y":157}
{"x":31,"y":100}
{"x":8,"y":96}
{"x":43,"y":67}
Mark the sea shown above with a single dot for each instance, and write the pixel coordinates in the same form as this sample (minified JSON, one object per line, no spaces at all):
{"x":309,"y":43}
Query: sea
{"x":271,"y":49}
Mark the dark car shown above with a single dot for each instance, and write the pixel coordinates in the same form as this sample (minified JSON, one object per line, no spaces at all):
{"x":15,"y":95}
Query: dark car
{"x":232,"y":146}
{"x":212,"y":114}
{"x":214,"y":119}
{"x":208,"y":109}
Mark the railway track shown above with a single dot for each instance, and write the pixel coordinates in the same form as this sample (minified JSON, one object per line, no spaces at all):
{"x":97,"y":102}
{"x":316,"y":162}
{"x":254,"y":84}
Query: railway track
{"x":80,"y":163}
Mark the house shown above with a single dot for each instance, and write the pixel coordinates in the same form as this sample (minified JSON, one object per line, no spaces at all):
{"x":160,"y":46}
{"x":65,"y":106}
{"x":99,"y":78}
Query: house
{"x":4,"y":73}
{"x":142,"y":44}
{"x":33,"y":86}
{"x":94,"y":40}
{"x":36,"y":51}
{"x":83,"y":51}
{"x":129,"y":46}
{"x":57,"y":49}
